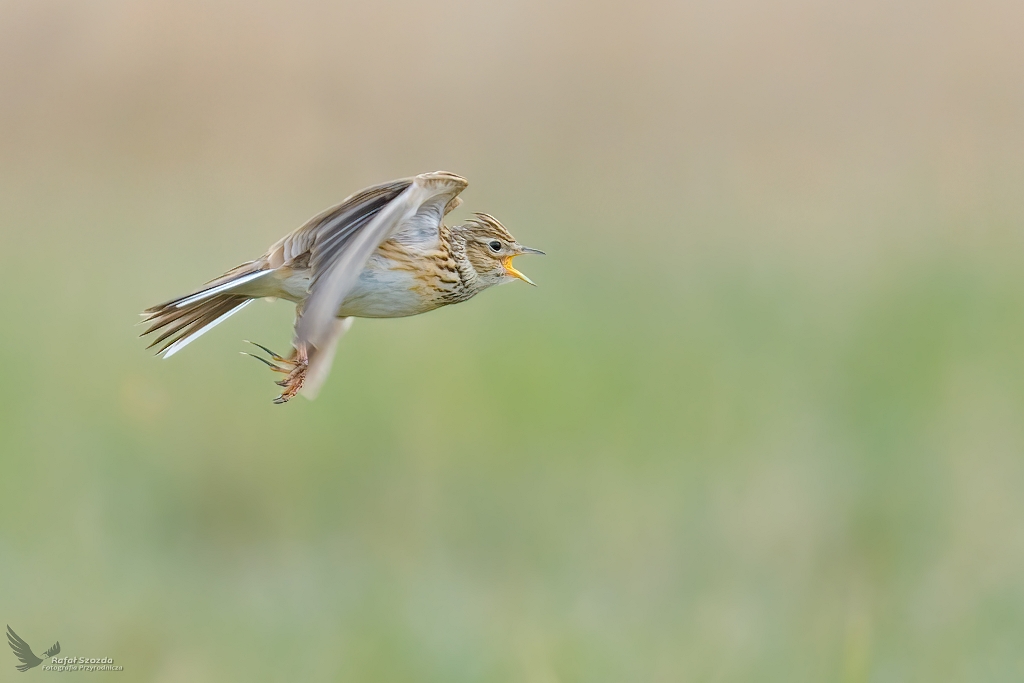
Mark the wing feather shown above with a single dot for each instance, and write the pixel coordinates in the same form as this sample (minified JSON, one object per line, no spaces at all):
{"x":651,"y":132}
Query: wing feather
{"x":349,"y":234}
{"x":320,"y":363}
{"x":335,"y":223}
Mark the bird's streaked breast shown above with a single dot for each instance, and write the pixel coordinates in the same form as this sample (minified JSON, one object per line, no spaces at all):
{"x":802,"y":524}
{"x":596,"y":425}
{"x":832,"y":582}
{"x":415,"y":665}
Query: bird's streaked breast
{"x":394,"y":286}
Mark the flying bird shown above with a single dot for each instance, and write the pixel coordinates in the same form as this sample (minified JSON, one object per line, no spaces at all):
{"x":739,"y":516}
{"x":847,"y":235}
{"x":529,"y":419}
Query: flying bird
{"x":384,"y":252}
{"x":24,"y":653}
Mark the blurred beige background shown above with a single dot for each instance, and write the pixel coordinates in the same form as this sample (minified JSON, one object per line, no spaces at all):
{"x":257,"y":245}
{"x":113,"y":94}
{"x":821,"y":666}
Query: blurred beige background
{"x":759,"y":422}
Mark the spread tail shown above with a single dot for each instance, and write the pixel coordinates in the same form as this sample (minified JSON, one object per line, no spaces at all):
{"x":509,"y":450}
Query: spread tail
{"x":185,"y":319}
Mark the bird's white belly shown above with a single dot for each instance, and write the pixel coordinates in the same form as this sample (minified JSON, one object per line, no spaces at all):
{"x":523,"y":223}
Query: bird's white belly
{"x":384,"y":293}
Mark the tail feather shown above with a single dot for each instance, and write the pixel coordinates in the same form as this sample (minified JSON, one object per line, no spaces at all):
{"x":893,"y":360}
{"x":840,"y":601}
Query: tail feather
{"x":185,"y":340}
{"x":192,"y":321}
{"x":186,"y":318}
{"x":235,"y":277}
{"x":168,"y":316}
{"x":173,"y":327}
{"x":217,"y":289}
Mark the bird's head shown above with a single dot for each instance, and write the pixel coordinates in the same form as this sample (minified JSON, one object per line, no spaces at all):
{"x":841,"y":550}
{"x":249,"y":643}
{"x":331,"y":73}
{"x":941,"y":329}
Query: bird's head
{"x":490,"y":250}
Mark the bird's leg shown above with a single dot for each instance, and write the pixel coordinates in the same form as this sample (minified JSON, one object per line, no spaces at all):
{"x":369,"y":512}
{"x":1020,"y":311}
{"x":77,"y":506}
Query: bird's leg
{"x":294,"y":367}
{"x":293,"y":382}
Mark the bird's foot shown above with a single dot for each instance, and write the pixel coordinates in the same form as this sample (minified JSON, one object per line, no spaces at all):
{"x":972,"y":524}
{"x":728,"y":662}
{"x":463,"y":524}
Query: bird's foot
{"x":294,"y":367}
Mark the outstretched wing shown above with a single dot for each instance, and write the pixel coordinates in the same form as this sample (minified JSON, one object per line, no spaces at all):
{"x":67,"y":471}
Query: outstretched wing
{"x":347,"y":236}
{"x":321,"y":361}
{"x":53,"y":651}
{"x":334,"y":225}
{"x":22,"y":651}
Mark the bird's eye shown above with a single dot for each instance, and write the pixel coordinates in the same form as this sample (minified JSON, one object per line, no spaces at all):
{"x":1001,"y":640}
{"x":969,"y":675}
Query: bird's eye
{"x":495,"y":245}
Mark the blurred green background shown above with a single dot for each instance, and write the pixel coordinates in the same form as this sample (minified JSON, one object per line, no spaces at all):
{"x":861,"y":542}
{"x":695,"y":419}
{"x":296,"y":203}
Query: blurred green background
{"x":761,"y":420}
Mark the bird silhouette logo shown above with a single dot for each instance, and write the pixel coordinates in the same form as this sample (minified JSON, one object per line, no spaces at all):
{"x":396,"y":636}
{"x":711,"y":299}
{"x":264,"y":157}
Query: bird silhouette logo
{"x":23,"y":652}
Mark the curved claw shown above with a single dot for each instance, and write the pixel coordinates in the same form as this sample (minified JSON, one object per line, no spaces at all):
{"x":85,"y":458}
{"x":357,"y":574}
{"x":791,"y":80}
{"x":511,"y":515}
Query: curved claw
{"x":275,"y":368}
{"x":269,"y":352}
{"x":294,"y":367}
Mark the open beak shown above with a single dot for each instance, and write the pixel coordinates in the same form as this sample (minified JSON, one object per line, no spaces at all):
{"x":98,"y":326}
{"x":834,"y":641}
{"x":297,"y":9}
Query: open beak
{"x":515,"y":273}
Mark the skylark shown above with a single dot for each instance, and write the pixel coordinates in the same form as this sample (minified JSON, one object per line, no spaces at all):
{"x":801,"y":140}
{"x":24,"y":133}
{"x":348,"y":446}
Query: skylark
{"x":384,"y":252}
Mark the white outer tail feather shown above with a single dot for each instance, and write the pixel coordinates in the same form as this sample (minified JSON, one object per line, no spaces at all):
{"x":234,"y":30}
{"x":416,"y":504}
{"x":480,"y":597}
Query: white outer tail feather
{"x":182,"y":343}
{"x":214,"y":291}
